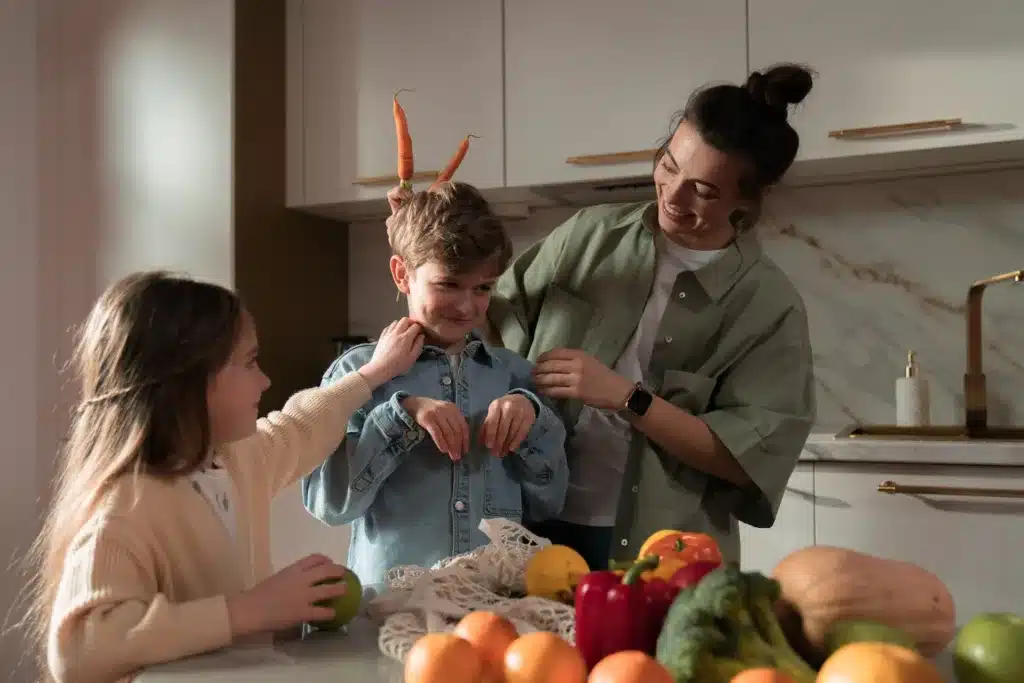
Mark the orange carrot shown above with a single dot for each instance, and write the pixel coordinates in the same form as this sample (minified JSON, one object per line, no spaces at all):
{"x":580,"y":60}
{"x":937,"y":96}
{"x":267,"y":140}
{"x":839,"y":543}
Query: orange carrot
{"x":405,"y":167}
{"x":453,"y":164}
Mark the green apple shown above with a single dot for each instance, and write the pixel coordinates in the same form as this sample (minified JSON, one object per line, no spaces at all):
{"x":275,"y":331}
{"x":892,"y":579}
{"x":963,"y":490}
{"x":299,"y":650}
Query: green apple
{"x":990,"y":649}
{"x":346,"y":606}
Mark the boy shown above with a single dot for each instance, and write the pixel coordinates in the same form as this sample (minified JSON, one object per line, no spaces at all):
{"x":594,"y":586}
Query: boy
{"x":461,"y":436}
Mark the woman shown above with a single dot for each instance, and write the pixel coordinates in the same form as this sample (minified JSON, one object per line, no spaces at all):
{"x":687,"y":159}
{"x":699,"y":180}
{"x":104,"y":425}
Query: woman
{"x":677,"y":351}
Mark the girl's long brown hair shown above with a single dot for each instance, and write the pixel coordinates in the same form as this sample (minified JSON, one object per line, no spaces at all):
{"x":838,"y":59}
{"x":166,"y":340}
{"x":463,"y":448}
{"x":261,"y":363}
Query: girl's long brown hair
{"x":144,"y":358}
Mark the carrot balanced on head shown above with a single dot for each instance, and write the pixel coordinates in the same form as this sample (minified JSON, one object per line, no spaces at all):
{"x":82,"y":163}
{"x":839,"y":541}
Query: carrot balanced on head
{"x":453,"y":164}
{"x":405,"y":167}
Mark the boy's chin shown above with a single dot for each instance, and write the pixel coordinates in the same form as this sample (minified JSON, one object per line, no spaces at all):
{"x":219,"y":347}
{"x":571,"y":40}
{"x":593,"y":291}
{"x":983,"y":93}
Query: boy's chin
{"x":448,"y":335}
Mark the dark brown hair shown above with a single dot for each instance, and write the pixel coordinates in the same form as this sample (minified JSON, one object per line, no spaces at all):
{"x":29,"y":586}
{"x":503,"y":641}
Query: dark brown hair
{"x":453,"y":225}
{"x":750,"y":121}
{"x":144,"y":356}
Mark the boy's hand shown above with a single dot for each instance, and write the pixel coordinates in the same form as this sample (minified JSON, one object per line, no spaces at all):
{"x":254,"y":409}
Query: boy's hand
{"x":443,"y":421}
{"x":397,"y":349}
{"x":508,"y":421}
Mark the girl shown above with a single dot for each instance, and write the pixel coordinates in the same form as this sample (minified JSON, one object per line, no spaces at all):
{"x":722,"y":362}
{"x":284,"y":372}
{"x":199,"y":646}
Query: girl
{"x":157,"y":544}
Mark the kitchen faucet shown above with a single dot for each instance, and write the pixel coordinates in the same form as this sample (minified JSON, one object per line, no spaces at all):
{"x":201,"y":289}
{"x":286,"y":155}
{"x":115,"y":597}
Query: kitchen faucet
{"x":975,"y":394}
{"x":975,"y":425}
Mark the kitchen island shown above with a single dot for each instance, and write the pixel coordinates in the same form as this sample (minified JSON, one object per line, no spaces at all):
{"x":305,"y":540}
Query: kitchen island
{"x":320,"y":657}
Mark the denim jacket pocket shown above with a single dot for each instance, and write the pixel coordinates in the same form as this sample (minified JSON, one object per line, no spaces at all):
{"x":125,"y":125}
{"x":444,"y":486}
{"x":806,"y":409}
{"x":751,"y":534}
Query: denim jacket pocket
{"x":503,"y":495}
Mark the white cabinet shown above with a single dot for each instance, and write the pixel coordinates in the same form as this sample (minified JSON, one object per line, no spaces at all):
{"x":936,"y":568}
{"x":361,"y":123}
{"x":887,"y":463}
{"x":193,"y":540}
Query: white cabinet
{"x":346,"y":59}
{"x":883,"y":63}
{"x":972,"y":542}
{"x":761,"y":549}
{"x":588,"y":77}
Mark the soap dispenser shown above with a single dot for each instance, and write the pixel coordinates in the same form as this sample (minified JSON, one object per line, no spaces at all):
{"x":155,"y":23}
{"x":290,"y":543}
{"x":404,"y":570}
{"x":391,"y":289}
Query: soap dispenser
{"x":912,"y":396}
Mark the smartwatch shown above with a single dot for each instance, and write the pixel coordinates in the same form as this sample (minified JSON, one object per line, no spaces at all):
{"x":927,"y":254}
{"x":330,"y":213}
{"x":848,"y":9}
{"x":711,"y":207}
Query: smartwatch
{"x":639,"y":400}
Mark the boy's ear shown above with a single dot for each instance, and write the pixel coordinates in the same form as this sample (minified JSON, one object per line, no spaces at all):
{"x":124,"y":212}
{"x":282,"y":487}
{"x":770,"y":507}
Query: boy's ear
{"x":399,"y":273}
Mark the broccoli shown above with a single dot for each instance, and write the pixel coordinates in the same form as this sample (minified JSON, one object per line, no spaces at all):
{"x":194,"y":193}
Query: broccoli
{"x":726,"y":624}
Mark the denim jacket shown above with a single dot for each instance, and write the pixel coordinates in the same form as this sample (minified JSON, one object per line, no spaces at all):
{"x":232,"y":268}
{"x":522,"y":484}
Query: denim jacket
{"x":407,"y":502}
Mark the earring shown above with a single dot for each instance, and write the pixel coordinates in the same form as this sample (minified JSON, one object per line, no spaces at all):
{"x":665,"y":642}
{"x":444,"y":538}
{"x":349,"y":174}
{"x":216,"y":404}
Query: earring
{"x":398,"y":295}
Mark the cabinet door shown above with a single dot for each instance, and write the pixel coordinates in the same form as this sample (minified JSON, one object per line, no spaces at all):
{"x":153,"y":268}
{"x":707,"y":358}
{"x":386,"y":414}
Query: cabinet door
{"x":972,"y":542}
{"x":356,"y":53}
{"x":761,"y":549}
{"x":585,"y":77}
{"x":882,"y":62}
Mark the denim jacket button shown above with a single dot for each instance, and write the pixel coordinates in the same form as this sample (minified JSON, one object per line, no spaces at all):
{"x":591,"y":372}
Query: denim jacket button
{"x":460,"y":506}
{"x":446,"y":380}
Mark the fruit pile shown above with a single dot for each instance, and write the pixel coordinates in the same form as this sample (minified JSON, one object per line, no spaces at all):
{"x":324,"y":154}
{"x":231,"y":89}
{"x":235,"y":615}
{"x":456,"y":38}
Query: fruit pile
{"x":677,"y":614}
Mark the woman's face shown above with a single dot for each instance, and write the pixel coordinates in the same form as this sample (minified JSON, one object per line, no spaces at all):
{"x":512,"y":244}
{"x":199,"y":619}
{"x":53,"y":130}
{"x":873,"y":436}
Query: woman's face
{"x":698,"y":190}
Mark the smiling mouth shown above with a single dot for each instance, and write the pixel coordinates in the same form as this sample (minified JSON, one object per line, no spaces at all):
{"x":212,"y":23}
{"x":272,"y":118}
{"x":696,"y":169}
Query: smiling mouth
{"x":673,"y":212}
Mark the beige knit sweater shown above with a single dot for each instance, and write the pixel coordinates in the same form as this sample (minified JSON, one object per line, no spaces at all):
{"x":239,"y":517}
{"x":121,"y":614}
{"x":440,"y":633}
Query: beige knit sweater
{"x":146,"y":579}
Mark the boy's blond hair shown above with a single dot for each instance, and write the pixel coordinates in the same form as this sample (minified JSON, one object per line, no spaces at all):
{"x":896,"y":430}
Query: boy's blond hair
{"x":452,"y":225}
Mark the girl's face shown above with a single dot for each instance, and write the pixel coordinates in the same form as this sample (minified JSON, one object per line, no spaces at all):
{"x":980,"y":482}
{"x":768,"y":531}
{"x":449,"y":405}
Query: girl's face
{"x":448,"y":306}
{"x":234,"y":392}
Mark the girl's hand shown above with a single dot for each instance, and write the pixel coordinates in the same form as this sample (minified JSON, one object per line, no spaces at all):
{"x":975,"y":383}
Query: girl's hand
{"x":397,"y":349}
{"x":287,"y":598}
{"x":444,"y":422}
{"x":509,"y":419}
{"x":569,"y":373}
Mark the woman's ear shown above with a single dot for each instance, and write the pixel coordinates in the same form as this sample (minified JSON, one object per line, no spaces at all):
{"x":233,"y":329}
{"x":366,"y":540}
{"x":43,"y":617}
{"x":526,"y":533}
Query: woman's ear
{"x":399,"y":273}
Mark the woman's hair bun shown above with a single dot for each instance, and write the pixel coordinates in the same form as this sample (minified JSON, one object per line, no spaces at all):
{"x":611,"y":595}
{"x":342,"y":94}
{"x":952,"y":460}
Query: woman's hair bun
{"x":778,"y":87}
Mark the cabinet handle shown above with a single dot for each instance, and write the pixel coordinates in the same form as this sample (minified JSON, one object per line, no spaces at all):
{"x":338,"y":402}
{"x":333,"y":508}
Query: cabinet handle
{"x":613,"y":158}
{"x":393,"y":179}
{"x":896,"y":129}
{"x":892,"y":487}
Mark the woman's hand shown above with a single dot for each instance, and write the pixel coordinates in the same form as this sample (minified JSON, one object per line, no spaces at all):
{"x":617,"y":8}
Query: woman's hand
{"x":287,"y":598}
{"x":397,"y":349}
{"x":570,"y":373}
{"x":396,"y":197}
{"x":444,"y":422}
{"x":509,"y":419}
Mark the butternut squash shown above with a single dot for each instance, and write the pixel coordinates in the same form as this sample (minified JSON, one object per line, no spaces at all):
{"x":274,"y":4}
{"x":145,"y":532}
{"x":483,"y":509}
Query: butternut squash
{"x":822,"y":585}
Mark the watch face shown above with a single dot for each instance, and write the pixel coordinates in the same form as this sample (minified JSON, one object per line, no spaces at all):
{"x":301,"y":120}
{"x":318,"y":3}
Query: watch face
{"x":639,"y":401}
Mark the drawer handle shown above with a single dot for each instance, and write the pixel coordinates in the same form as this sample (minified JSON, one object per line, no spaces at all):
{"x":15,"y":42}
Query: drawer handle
{"x":393,"y":179}
{"x":892,"y":487}
{"x":613,"y":158}
{"x":896,"y":129}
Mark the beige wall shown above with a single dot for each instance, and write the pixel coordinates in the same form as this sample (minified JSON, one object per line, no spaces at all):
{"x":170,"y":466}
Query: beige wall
{"x":125,"y":108}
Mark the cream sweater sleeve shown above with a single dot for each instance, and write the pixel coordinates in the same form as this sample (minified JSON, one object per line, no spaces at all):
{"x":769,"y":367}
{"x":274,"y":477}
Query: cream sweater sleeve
{"x":108,"y":620}
{"x":291,"y":443}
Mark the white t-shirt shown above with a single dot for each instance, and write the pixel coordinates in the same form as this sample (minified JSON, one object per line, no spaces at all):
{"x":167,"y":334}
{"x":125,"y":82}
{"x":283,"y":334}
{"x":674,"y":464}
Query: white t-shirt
{"x":600,"y":441}
{"x":214,"y":484}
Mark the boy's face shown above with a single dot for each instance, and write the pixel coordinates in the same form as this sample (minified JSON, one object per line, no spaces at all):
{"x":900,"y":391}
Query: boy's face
{"x":448,"y":306}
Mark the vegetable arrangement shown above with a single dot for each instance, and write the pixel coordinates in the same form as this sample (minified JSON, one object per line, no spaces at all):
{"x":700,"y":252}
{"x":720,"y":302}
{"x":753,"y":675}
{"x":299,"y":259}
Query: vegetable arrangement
{"x":406,"y":167}
{"x":677,"y":614}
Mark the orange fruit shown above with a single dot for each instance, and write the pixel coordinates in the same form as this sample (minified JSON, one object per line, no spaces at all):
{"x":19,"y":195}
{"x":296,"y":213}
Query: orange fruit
{"x":490,"y":633}
{"x":877,"y":663}
{"x":543,"y":657}
{"x":630,"y":666}
{"x":762,"y":675}
{"x":444,"y":658}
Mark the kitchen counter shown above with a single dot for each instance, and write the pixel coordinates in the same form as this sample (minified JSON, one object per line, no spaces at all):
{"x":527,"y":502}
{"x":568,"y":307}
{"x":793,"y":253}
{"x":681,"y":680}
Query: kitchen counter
{"x":825,"y":447}
{"x":320,"y":657}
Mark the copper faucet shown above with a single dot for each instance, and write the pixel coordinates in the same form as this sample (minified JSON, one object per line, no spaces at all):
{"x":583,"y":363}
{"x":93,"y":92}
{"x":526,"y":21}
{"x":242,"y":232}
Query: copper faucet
{"x":975,"y":395}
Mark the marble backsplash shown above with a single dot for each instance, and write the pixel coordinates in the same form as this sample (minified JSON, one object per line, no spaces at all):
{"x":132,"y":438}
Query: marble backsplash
{"x":883,"y":268}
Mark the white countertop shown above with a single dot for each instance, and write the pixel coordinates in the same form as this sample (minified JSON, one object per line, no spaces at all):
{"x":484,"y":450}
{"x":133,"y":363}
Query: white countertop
{"x":825,"y":447}
{"x":320,"y":657}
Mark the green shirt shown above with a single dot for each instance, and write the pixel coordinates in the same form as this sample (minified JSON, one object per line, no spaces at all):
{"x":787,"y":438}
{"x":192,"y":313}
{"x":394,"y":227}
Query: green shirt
{"x":733,"y":350}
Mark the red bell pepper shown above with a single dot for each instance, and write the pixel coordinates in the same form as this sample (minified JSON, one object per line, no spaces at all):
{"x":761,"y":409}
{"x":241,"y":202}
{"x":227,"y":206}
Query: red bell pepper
{"x":616,"y":613}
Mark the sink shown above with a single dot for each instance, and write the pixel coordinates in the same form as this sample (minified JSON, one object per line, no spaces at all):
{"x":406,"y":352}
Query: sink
{"x":931,"y":433}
